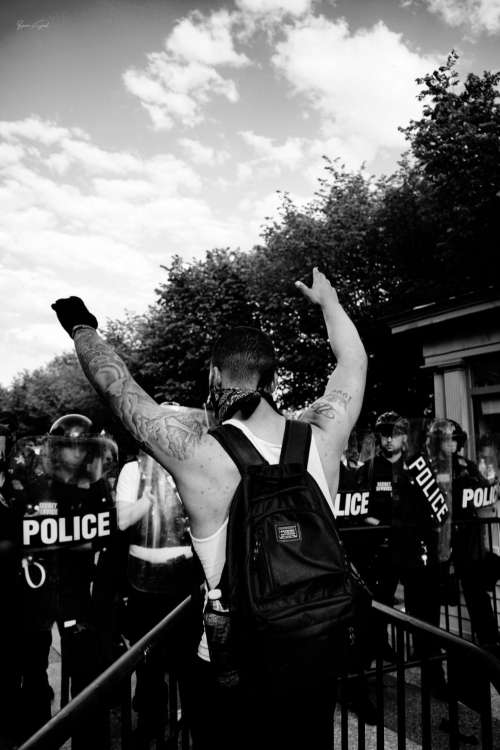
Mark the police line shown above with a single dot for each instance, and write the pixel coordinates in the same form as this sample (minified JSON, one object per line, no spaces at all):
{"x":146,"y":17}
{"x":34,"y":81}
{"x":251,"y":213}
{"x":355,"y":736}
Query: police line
{"x":48,"y":531}
{"x":350,"y":504}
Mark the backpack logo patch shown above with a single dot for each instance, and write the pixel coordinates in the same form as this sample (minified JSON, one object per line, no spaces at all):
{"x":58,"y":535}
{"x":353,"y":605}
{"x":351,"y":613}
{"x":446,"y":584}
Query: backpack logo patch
{"x":289,"y":532}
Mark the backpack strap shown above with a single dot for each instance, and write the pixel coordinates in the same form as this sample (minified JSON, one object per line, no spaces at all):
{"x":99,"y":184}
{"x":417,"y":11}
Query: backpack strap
{"x":296,"y":443}
{"x":237,"y":446}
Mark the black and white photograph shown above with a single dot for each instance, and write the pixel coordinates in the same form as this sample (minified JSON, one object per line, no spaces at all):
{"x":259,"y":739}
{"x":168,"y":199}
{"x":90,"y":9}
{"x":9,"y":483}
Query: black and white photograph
{"x":249,"y":374}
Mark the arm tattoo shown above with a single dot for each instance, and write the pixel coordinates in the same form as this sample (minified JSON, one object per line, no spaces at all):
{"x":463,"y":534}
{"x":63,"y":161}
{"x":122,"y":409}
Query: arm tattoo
{"x":330,"y":404}
{"x":176,"y":434}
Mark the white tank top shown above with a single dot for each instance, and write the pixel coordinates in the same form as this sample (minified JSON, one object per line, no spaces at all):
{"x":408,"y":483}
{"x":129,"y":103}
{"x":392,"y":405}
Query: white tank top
{"x":212,"y":549}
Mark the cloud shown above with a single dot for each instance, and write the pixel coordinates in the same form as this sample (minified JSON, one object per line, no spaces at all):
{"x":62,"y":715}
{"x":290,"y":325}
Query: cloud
{"x":172,"y":92}
{"x":203,"y":155}
{"x":244,"y":171}
{"x":263,"y":7}
{"x":10,"y":153}
{"x":44,"y":132}
{"x":361,"y":83}
{"x":289,"y":154}
{"x":205,"y":39}
{"x":181,"y":80}
{"x":79,"y":219}
{"x":479,"y":16}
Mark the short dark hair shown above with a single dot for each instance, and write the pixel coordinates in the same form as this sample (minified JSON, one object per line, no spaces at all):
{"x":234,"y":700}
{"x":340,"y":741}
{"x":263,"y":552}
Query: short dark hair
{"x":244,"y":353}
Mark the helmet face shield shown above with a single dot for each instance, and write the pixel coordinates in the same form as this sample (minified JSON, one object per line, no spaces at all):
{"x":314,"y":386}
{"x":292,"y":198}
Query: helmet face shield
{"x":445,"y":436}
{"x":59,"y":490}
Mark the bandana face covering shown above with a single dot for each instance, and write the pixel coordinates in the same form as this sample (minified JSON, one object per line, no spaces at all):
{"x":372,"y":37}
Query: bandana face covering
{"x":227,"y":401}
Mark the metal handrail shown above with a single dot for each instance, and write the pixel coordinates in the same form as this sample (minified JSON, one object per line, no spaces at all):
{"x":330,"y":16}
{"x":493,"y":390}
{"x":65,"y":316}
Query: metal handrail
{"x":490,"y":662}
{"x":455,"y":615}
{"x":60,"y":727}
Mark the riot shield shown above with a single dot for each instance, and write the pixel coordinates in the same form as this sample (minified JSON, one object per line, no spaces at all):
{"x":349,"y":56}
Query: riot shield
{"x":59,"y":492}
{"x":159,"y":539}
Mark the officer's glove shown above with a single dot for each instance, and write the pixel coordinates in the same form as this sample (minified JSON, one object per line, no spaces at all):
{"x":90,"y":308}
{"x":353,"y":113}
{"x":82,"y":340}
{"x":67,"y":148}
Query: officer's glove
{"x":72,"y":312}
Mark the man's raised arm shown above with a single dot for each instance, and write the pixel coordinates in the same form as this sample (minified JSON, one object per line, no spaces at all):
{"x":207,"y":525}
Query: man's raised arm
{"x":337,"y":410}
{"x":171,"y":435}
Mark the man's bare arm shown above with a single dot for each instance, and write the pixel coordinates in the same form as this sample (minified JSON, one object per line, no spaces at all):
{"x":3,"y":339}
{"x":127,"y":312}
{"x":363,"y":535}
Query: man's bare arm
{"x":172,"y":434}
{"x":331,"y":404}
{"x":337,"y":410}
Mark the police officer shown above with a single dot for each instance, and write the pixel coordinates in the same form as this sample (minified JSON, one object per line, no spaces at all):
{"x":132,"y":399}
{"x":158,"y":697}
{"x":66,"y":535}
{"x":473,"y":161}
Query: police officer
{"x":461,"y":540}
{"x":160,"y":573}
{"x":350,"y":505}
{"x":408,"y":553}
{"x":351,"y":510}
{"x":384,"y":476}
{"x":62,"y":507}
{"x":8,"y":570}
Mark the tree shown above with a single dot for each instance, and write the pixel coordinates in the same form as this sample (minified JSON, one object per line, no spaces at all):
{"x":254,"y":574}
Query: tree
{"x":195,"y":303}
{"x":36,"y":399}
{"x":336,"y":232}
{"x":456,"y":147}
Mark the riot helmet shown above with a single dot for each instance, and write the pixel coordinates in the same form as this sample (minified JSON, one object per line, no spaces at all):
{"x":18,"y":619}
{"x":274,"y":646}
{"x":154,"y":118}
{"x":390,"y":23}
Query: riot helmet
{"x":442,"y":430}
{"x":71,"y":426}
{"x":391,"y":423}
{"x":68,"y":446}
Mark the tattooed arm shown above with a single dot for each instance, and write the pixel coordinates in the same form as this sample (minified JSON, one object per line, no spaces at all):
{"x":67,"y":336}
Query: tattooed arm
{"x":336,"y":411}
{"x":172,"y":435}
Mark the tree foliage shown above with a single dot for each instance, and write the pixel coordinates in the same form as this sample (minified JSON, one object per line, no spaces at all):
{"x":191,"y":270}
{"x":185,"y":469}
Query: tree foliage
{"x":37,"y":398}
{"x":456,"y":151}
{"x":195,"y":303}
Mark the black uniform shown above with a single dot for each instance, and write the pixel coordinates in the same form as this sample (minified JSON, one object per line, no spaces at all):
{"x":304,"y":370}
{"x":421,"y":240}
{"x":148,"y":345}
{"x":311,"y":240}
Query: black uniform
{"x":351,"y":509}
{"x":408,"y":552}
{"x":470,"y":491}
{"x":64,"y":598}
{"x":8,"y":621}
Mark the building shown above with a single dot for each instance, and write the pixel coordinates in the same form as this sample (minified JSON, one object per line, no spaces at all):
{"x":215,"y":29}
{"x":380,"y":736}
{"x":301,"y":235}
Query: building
{"x":459,"y":340}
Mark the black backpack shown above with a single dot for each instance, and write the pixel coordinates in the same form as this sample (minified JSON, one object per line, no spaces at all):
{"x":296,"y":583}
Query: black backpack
{"x":286,"y":576}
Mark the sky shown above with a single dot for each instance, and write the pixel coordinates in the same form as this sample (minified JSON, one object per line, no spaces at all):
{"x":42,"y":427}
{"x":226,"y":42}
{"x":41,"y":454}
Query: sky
{"x":134,"y":131}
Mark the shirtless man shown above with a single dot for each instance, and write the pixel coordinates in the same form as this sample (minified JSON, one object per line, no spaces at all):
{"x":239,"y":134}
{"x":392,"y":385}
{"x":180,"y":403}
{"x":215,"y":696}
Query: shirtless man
{"x":207,"y":478}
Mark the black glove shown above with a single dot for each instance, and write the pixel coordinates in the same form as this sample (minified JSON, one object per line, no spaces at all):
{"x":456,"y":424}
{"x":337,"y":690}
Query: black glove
{"x":72,"y":312}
